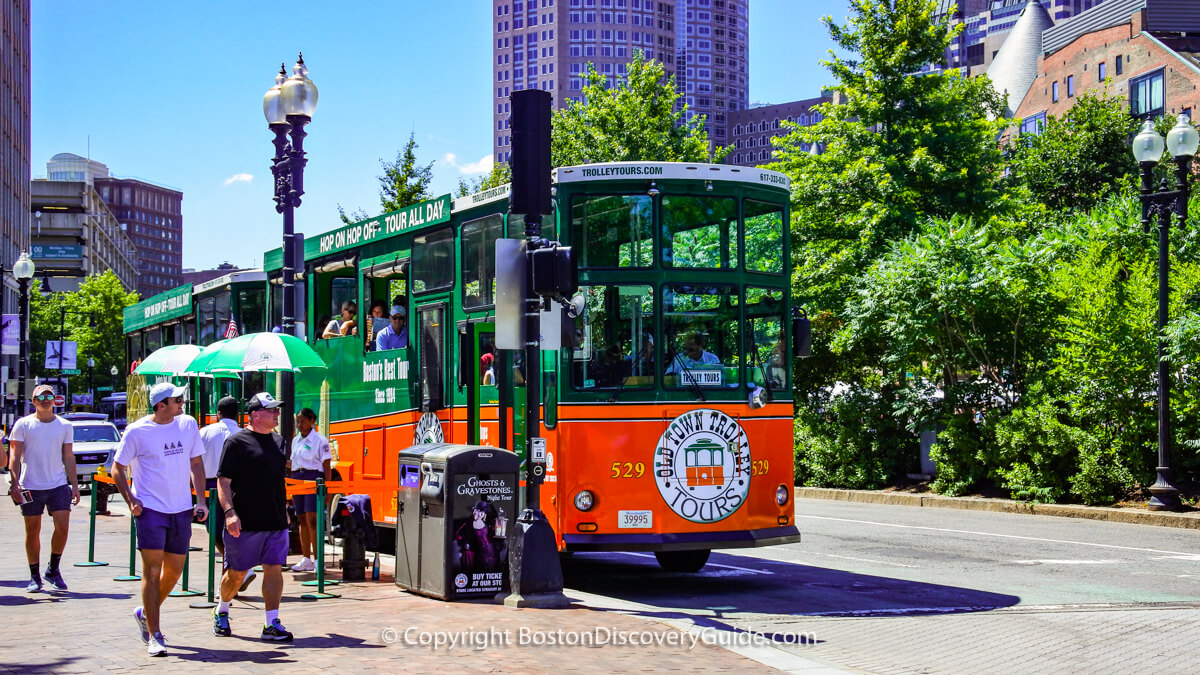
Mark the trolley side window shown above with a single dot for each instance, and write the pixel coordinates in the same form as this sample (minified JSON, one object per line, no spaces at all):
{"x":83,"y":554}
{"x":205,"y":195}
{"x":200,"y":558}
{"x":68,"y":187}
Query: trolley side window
{"x":433,"y":261}
{"x":764,"y":236}
{"x":614,"y":339}
{"x":252,"y":310}
{"x":766,"y":352}
{"x":479,"y":261}
{"x":206,"y":315}
{"x":700,"y":232}
{"x":613,"y":230}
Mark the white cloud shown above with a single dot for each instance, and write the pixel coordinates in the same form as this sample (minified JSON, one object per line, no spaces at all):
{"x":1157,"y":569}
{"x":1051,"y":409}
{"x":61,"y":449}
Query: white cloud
{"x":484,"y":165}
{"x":239,"y":178}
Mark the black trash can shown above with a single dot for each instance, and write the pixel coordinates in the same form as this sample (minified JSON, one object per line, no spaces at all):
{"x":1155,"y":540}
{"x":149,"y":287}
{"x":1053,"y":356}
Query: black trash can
{"x":457,"y":504}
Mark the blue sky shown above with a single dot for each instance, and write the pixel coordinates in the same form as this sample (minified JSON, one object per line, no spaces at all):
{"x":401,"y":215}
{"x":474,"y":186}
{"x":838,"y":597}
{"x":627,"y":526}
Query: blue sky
{"x":172,"y":92}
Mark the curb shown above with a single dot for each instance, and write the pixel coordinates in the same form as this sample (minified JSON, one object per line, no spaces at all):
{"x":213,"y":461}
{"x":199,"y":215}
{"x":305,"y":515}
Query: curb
{"x":1189,"y":520}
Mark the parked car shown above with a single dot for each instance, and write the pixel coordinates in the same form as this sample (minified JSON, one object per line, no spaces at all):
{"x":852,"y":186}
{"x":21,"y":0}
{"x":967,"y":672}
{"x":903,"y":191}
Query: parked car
{"x":95,"y":445}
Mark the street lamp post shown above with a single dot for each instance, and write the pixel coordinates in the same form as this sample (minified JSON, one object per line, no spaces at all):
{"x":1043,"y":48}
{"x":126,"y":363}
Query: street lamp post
{"x":1148,"y":145}
{"x":288,"y":107}
{"x":23,"y":270}
{"x":91,"y":384}
{"x":113,"y":371}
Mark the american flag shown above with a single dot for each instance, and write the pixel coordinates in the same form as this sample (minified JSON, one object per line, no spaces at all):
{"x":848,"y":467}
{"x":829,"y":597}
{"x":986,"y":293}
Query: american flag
{"x":231,"y":331}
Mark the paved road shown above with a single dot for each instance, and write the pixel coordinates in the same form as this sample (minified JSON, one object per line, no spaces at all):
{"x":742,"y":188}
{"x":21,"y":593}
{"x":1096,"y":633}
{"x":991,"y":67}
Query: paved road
{"x":892,"y":589}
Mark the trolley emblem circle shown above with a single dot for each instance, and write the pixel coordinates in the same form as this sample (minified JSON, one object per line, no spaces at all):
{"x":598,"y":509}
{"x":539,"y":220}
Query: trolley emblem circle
{"x":429,"y":430}
{"x":702,"y":465}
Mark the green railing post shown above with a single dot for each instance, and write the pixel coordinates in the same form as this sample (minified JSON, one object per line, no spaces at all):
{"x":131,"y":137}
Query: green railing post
{"x":212,"y":552}
{"x":320,"y":583}
{"x":133,"y":575}
{"x":91,"y":561}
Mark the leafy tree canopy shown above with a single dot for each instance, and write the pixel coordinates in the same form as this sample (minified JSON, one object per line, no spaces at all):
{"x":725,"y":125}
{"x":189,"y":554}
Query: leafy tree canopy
{"x":499,"y":175}
{"x":94,"y":318}
{"x":899,"y":145}
{"x":404,"y":182}
{"x":636,"y":120}
{"x":1078,"y":158}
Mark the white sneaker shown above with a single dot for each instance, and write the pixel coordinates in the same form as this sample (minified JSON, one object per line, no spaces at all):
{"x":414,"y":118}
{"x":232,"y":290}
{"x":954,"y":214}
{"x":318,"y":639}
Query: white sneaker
{"x":247,"y":579}
{"x":156,"y":647}
{"x":302,"y":566}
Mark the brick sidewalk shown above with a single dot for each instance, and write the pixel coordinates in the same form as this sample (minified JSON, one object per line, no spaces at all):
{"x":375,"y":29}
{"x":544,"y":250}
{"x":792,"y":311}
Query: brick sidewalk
{"x":90,"y":628}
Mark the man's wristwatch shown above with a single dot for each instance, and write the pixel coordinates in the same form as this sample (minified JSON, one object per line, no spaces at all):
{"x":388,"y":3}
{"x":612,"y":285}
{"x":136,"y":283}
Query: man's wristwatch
{"x":228,"y":510}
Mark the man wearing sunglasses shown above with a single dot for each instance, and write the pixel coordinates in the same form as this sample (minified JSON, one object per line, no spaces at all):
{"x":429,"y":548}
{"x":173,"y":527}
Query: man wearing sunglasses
{"x":163,"y":450}
{"x":43,"y":463}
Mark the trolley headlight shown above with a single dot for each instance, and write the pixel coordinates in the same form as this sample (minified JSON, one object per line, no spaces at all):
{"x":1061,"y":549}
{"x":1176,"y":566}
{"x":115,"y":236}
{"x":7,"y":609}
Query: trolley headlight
{"x":781,"y":494}
{"x":584,"y":500}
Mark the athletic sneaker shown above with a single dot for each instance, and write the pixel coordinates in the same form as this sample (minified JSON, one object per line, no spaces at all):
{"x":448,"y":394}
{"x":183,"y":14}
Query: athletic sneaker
{"x":143,"y":627}
{"x":305,"y":565}
{"x":54,"y":578}
{"x":35,"y":585}
{"x":221,"y":624}
{"x":156,"y":648}
{"x":246,"y":580}
{"x":276,"y":632}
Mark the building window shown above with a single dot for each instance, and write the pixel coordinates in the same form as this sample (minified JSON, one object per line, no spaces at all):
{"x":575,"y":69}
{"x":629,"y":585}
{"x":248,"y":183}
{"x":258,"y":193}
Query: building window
{"x":1102,"y":71}
{"x":1146,"y":95}
{"x":1033,"y":125}
{"x":1070,"y":86}
{"x":1120,"y":62}
{"x":1054,"y":92}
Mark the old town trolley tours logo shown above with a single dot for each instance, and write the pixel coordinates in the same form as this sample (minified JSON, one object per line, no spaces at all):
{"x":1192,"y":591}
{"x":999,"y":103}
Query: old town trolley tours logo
{"x":429,"y":430}
{"x":702,"y":465}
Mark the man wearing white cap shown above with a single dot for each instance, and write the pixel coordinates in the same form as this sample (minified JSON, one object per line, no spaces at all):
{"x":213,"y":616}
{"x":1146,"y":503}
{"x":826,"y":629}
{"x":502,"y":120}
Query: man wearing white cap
{"x":163,"y":449}
{"x":43,"y":464}
{"x":395,"y":336}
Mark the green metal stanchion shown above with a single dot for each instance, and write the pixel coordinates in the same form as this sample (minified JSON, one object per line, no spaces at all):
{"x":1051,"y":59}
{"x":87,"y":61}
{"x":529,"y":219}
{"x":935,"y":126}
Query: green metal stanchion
{"x":320,"y":583}
{"x":212,"y":553}
{"x":91,"y":561}
{"x":133,"y":575}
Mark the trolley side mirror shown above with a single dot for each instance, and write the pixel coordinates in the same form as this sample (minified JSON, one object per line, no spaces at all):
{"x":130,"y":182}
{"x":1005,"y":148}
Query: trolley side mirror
{"x":801,"y":334}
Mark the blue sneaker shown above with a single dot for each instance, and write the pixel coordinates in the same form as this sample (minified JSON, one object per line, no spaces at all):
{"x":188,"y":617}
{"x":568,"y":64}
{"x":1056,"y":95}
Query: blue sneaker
{"x":140,"y":618}
{"x":221,"y":624}
{"x":54,"y":578}
{"x":275,"y":632}
{"x":34,"y":586}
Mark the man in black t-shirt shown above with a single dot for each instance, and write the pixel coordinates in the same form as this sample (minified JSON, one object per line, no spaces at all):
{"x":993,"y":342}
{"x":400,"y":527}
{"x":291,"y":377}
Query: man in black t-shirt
{"x":250,"y":486}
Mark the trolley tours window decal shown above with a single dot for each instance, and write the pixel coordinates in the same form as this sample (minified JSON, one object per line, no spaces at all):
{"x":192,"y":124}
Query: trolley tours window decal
{"x":702,"y":465}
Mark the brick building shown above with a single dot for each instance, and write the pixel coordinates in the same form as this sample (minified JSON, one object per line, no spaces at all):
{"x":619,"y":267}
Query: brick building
{"x":1145,"y":51}
{"x":754,"y":127}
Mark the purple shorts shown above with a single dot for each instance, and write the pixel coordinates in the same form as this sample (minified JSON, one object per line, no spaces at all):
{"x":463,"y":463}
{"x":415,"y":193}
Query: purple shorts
{"x":54,"y":499}
{"x":306,"y":503}
{"x":166,"y":532}
{"x":266,"y":547}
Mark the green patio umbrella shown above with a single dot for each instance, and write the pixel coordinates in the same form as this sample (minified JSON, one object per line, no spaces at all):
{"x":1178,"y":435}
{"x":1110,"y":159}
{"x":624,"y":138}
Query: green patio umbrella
{"x":169,"y":360}
{"x":264,"y":352}
{"x":199,"y":365}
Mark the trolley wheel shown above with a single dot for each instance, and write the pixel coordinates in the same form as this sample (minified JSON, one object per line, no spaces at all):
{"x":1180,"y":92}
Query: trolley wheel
{"x":682,"y":561}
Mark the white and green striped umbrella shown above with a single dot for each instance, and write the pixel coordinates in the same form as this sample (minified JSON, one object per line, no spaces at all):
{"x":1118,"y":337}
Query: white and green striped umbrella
{"x":264,"y":352}
{"x":199,"y":365}
{"x":169,"y":360}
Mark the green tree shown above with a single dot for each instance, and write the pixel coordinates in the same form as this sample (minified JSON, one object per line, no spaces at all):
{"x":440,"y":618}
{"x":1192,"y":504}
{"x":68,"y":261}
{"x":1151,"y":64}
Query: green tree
{"x":94,"y":318}
{"x":635,"y":120}
{"x":1078,"y":158}
{"x":404,"y":182}
{"x":899,"y":146}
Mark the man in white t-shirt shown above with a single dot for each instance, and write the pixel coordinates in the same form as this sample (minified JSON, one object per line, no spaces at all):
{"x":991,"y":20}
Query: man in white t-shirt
{"x":163,"y":449}
{"x":44,"y":464}
{"x":214,"y":436}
